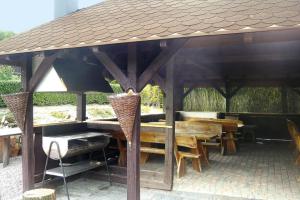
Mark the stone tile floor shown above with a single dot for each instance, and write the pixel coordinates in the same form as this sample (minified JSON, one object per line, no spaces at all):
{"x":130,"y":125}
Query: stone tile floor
{"x":257,"y":171}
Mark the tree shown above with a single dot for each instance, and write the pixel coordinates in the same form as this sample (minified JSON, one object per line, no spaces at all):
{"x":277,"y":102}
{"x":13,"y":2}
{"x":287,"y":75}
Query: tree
{"x":6,"y":34}
{"x":7,"y":72}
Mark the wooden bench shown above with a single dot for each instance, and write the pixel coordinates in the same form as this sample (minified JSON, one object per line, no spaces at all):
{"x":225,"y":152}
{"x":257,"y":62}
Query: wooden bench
{"x":5,"y":135}
{"x":148,"y":139}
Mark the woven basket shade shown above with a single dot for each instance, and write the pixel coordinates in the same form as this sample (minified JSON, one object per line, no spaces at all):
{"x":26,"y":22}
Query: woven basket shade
{"x":125,"y":107}
{"x":17,"y":104}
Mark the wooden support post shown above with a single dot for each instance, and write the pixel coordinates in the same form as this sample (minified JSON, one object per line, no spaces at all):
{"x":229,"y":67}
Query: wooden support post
{"x":179,"y":96}
{"x":133,"y":151}
{"x":227,"y":97}
{"x":28,"y":160}
{"x":170,"y":121}
{"x":284,"y":99}
{"x":81,"y":106}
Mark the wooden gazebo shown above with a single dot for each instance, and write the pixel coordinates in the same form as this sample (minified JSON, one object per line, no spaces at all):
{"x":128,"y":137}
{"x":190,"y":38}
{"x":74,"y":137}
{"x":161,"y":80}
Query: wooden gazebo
{"x":175,"y":44}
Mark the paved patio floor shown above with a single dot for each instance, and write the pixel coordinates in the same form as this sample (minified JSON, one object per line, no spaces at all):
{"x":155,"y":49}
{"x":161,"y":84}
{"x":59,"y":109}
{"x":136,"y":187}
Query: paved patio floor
{"x":257,"y":171}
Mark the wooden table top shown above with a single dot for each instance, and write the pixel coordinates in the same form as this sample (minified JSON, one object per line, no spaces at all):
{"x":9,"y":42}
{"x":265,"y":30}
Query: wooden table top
{"x":10,"y":132}
{"x":200,"y":135}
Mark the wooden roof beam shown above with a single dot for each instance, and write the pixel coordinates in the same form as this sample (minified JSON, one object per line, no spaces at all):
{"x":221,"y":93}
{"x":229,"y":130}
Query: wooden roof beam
{"x":188,"y":91}
{"x":42,"y":70}
{"x":244,"y":38}
{"x":111,"y":66}
{"x":160,"y":81}
{"x":253,"y":58}
{"x":165,"y":55}
{"x":249,"y":82}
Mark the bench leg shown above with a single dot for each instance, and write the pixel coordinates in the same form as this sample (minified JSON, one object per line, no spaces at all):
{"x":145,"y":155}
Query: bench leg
{"x":144,"y":157}
{"x":203,"y":152}
{"x":196,"y":162}
{"x":181,"y":167}
{"x":6,"y":151}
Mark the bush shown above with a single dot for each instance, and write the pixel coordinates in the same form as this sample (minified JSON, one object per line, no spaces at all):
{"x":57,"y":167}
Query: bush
{"x":7,"y":87}
{"x":151,"y":95}
{"x":53,"y":99}
{"x":7,"y":73}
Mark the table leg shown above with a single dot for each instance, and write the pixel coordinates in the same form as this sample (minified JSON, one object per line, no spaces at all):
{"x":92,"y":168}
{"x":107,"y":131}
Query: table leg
{"x":6,"y":151}
{"x":123,"y":153}
{"x":231,"y":146}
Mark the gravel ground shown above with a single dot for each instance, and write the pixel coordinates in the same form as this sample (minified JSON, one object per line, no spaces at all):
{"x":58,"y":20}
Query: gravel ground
{"x":44,"y":114}
{"x":11,"y":180}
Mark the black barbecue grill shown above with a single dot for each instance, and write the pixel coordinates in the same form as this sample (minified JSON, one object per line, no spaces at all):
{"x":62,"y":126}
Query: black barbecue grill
{"x":71,"y":140}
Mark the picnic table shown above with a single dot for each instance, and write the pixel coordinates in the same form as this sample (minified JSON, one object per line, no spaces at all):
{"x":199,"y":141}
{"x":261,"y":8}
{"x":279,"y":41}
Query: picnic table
{"x":6,"y":133}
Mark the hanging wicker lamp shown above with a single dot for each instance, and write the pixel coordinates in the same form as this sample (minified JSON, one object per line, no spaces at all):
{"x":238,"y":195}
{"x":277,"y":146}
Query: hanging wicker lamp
{"x":125,"y":106}
{"x":17,"y":104}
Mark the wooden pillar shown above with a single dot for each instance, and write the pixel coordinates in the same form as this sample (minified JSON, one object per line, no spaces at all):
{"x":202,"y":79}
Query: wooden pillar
{"x":81,"y":106}
{"x":28,"y":161}
{"x":133,"y":152}
{"x":179,"y":96}
{"x":284,"y":100}
{"x":170,"y":121}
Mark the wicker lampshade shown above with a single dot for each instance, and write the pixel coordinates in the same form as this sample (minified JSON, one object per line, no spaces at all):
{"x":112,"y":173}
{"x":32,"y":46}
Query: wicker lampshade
{"x":125,"y":107}
{"x":17,"y":104}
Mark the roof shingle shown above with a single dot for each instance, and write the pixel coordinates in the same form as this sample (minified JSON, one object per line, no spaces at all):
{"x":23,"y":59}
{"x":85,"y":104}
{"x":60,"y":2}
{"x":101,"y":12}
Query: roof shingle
{"x":121,"y":21}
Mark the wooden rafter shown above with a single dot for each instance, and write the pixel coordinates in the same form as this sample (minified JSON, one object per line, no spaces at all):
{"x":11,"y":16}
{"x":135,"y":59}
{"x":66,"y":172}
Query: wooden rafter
{"x":41,"y":70}
{"x":112,"y":67}
{"x":188,"y":91}
{"x":235,"y":90}
{"x":160,"y":61}
{"x":220,"y":90}
{"x":160,"y":81}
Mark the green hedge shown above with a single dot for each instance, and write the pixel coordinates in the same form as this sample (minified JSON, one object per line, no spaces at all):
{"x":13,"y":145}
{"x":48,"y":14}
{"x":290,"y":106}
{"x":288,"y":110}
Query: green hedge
{"x":7,"y":87}
{"x":150,"y":95}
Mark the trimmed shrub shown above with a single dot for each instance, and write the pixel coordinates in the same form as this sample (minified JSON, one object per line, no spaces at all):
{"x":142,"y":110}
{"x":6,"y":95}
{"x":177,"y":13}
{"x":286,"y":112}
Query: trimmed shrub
{"x":7,"y":87}
{"x":151,"y":95}
{"x":53,"y":99}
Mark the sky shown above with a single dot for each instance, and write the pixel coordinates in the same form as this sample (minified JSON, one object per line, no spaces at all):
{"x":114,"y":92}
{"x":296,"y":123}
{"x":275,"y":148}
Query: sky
{"x":22,"y":15}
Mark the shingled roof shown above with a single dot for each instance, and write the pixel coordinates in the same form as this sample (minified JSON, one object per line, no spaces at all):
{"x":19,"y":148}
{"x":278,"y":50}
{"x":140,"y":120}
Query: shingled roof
{"x":122,"y":21}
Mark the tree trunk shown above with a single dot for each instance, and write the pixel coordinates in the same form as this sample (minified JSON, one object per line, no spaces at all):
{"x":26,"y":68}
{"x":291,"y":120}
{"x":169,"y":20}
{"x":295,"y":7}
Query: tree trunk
{"x":40,"y":194}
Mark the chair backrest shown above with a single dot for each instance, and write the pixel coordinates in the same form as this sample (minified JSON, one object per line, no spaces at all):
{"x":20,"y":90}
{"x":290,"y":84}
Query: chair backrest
{"x":186,"y":141}
{"x":292,"y":128}
{"x":153,"y":137}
